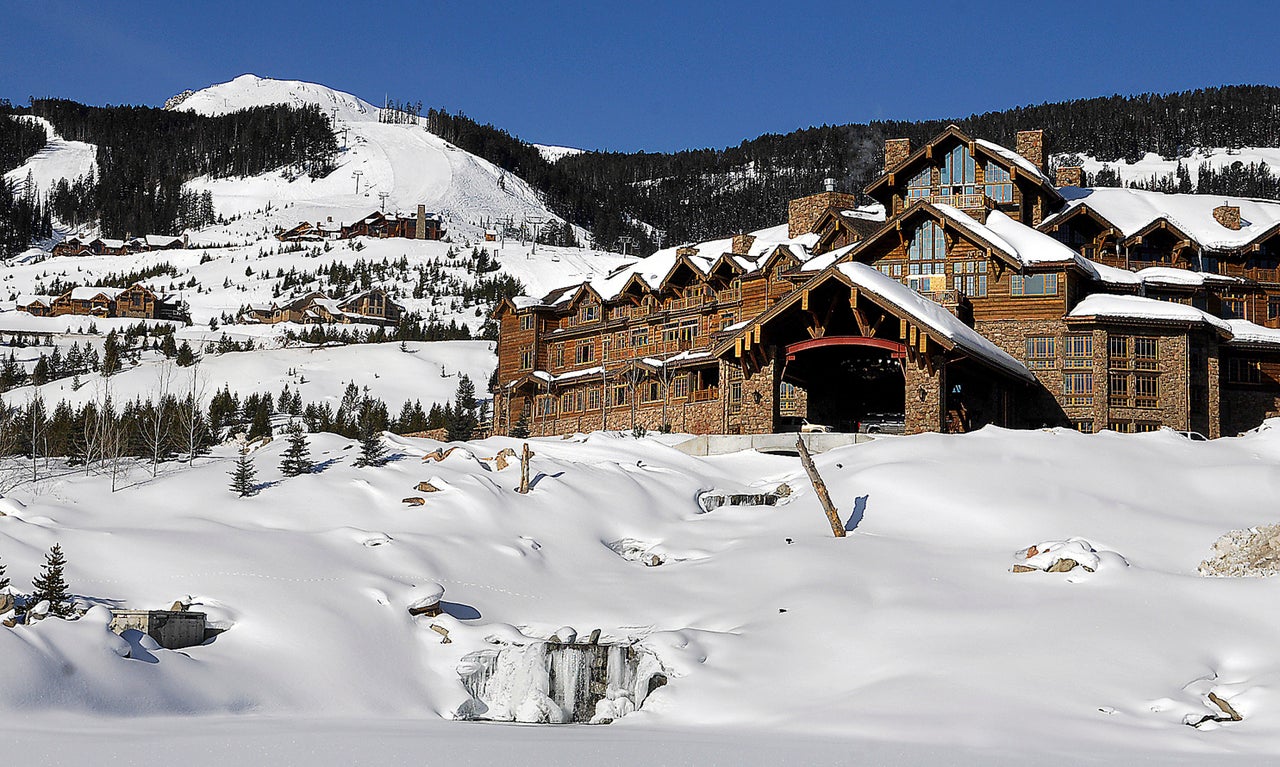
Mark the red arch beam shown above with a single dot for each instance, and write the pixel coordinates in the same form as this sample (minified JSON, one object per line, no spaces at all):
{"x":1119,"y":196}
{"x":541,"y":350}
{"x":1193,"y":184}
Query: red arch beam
{"x":896,"y":349}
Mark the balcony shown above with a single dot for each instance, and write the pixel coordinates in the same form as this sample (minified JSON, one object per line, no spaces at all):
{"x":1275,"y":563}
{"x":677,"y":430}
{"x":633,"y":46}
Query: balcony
{"x":705,"y":395}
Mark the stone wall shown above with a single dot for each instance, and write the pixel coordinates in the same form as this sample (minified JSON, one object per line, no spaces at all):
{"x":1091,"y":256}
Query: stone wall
{"x":1244,"y":407}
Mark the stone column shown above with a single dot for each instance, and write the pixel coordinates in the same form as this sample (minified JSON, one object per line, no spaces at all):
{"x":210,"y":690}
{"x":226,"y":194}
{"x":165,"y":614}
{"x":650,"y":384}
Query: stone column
{"x":926,"y":396}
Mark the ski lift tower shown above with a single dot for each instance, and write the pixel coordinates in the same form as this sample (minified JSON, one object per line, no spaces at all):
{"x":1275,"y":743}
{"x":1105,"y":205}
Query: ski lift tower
{"x":626,"y":240}
{"x":357,"y":174}
{"x":534,"y":222}
{"x":382,"y":196}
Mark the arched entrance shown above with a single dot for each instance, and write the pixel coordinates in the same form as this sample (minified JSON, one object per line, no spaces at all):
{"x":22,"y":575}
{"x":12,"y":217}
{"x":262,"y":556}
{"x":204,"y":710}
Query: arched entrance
{"x":849,"y":381}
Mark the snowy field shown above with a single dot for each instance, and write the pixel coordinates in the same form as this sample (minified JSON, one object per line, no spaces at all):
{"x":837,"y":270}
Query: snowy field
{"x":911,"y":641}
{"x":1153,"y":164}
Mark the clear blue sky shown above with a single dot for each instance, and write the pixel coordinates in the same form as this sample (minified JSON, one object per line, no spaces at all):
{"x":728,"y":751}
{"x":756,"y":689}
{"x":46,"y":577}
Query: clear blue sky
{"x":655,"y":74}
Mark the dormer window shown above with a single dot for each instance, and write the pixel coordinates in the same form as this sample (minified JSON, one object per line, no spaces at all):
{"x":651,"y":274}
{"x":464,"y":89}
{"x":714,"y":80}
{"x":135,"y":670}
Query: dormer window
{"x":959,"y":172}
{"x":999,"y":184}
{"x":918,"y":187}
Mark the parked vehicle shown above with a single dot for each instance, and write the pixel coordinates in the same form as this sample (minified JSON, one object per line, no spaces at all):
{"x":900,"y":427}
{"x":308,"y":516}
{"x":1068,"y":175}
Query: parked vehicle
{"x":802,"y":425}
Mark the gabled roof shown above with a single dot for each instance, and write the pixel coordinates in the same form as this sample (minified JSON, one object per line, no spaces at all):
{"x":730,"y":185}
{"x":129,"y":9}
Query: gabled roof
{"x":1006,"y":158}
{"x":1132,"y":211}
{"x":1014,"y":243}
{"x":949,"y":331}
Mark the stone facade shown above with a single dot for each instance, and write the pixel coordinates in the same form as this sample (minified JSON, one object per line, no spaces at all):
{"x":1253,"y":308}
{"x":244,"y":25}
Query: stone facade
{"x":742,"y":243}
{"x":803,"y":213}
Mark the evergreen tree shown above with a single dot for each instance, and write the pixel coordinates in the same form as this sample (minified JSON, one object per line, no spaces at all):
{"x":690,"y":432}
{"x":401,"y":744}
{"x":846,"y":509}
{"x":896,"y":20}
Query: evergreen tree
{"x":242,"y":476}
{"x":462,"y":425}
{"x":4,"y":579}
{"x":110,"y":354}
{"x":521,"y":428}
{"x":297,"y":455}
{"x":372,"y":451}
{"x":51,"y":583}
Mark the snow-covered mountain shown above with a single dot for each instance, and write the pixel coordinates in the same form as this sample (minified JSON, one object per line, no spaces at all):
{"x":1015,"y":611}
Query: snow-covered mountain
{"x":405,"y":162}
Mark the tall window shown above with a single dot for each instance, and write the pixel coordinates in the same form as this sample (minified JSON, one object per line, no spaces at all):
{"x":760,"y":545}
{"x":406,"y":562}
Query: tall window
{"x":999,"y":185}
{"x":919,"y":185}
{"x":927,"y":252}
{"x":584,"y":353}
{"x":526,"y":359}
{"x":1077,"y":388}
{"x":1133,"y":378}
{"x":970,"y":278}
{"x":1042,"y":352}
{"x":1078,"y":352}
{"x":526,"y":321}
{"x":1232,"y":308}
{"x":959,"y":172}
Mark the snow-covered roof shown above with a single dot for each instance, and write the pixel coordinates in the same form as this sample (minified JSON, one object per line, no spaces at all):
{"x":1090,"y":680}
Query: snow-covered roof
{"x":88,"y":293}
{"x":1025,"y":245}
{"x":1168,"y":275}
{"x":653,"y":269}
{"x":933,"y":315}
{"x":1013,"y":157}
{"x":873,"y":212}
{"x":28,"y":299}
{"x":161,"y":240}
{"x":1132,"y":210}
{"x":1248,"y":333}
{"x":1139,"y":308}
{"x":109,"y":243}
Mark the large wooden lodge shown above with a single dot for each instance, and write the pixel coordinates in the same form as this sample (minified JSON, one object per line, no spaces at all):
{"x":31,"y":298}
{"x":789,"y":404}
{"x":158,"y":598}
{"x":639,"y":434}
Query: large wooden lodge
{"x":420,"y":226}
{"x":978,"y":291}
{"x":136,"y":301}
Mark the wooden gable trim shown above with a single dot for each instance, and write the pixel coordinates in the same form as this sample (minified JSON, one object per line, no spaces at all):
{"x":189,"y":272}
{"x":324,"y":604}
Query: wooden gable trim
{"x":1160,"y":224}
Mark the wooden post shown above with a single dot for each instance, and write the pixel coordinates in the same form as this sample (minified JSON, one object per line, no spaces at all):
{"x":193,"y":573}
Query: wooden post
{"x":524,"y":470}
{"x":820,"y":487}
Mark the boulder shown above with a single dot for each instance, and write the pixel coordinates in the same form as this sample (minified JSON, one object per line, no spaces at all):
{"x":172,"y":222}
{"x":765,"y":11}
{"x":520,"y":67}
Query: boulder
{"x":426,"y":487}
{"x":1064,"y":565}
{"x":1023,"y":569}
{"x":414,"y":501}
{"x":6,"y":603}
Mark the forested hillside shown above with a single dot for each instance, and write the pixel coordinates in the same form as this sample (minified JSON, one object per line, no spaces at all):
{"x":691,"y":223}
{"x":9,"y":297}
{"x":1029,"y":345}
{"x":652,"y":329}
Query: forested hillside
{"x":703,"y":193}
{"x":144,"y":157}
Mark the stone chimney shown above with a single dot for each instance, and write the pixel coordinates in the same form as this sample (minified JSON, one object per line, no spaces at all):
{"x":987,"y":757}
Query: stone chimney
{"x":803,"y":213}
{"x":686,"y":250}
{"x":420,"y":230}
{"x":1030,"y":144}
{"x":1071,"y":176}
{"x":742,"y":243}
{"x":895,"y":151}
{"x":1228,"y":216}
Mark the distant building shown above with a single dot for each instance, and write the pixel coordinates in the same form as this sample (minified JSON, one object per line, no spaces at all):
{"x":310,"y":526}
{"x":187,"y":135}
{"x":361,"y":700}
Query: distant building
{"x":102,"y":246}
{"x":371,"y":306}
{"x":135,"y":301}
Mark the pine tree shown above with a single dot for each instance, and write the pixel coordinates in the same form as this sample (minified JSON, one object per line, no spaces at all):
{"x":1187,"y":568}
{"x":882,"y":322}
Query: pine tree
{"x":4,"y":579}
{"x":110,"y":354}
{"x":242,"y":476}
{"x":462,"y":424}
{"x":297,"y":455}
{"x":51,"y":583}
{"x":372,"y":451}
{"x":521,"y":429}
